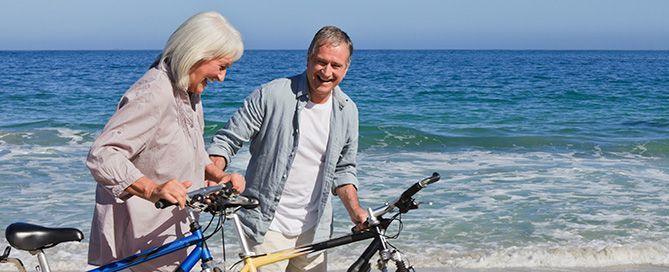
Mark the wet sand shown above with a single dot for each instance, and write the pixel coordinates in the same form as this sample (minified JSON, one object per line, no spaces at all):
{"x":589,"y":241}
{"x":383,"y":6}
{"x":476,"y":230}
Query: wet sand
{"x":624,"y":268}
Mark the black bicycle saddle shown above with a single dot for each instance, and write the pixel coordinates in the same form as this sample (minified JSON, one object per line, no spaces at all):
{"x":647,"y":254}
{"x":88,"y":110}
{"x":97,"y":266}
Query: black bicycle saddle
{"x":26,"y":236}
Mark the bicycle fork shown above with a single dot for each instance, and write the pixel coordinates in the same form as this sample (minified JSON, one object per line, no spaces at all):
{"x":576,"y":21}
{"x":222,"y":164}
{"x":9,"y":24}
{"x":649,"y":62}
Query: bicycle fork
{"x":387,"y":254}
{"x":380,"y":245}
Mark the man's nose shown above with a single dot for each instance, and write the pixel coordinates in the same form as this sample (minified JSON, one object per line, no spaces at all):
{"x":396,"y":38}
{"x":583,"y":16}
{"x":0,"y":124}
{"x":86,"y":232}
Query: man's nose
{"x":327,"y":70}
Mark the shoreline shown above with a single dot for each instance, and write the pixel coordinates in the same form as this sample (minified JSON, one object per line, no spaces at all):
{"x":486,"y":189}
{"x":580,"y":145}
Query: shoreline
{"x":622,"y":268}
{"x":617,"y":268}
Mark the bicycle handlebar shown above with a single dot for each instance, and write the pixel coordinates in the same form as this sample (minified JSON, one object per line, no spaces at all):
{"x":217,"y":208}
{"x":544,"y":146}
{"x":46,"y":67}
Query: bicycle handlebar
{"x":226,"y":188}
{"x":419,"y":185}
{"x":405,"y":200}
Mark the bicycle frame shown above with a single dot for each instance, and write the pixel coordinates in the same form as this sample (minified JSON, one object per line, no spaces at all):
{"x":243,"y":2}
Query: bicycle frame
{"x":252,"y":261}
{"x":200,"y":252}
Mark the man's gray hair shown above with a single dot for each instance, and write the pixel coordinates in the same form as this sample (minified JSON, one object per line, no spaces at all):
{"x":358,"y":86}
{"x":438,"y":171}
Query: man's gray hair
{"x":333,"y":36}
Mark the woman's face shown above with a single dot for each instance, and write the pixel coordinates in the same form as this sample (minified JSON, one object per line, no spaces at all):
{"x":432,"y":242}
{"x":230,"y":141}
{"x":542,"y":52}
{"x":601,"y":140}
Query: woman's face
{"x":208,"y":70}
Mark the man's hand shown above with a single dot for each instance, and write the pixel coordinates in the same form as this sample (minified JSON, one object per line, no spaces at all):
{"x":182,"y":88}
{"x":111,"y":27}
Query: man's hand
{"x":219,"y":162}
{"x":238,"y":181}
{"x":359,"y":218}
{"x":214,"y":175}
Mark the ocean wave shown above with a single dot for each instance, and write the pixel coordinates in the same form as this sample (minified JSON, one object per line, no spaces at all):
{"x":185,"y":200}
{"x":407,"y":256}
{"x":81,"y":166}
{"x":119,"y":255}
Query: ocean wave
{"x":536,"y":256}
{"x":565,"y":256}
{"x":54,"y":136}
{"x":407,"y":138}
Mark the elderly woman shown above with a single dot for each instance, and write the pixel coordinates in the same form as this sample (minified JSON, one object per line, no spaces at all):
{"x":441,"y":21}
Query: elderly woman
{"x":153,"y":147}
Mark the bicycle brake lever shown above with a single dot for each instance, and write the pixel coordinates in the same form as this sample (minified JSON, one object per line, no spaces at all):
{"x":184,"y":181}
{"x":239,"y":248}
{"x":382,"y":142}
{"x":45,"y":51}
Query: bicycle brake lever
{"x":429,"y":203}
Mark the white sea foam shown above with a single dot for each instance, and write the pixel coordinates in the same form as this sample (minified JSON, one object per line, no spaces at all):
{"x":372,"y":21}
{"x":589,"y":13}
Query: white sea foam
{"x":72,"y":256}
{"x":74,"y":136}
{"x":583,"y":256}
{"x":527,"y":257}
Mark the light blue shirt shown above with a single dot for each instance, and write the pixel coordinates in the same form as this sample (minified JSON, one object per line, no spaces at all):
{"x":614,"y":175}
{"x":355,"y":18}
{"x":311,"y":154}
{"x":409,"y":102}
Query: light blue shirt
{"x":268,"y":119}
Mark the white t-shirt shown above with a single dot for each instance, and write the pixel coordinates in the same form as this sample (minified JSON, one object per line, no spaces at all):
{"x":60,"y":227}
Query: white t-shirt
{"x":297,"y":209}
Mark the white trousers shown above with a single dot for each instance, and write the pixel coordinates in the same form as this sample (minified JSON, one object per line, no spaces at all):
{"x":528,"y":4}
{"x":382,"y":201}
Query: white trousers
{"x":275,"y":241}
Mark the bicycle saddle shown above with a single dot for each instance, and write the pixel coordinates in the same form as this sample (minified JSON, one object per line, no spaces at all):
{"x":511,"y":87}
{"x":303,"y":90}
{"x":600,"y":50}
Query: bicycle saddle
{"x":26,"y":236}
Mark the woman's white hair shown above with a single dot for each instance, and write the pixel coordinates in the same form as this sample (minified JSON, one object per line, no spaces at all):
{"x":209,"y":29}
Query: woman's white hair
{"x":205,"y":36}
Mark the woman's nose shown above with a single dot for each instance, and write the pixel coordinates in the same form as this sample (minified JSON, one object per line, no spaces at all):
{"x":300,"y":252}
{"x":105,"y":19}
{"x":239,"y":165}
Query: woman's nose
{"x":221,"y":75}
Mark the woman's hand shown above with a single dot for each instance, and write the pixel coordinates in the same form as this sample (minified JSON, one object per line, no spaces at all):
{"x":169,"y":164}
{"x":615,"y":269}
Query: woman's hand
{"x":172,"y":190}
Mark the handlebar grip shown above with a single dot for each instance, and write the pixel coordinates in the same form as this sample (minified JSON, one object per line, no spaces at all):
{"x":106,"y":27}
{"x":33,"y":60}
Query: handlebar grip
{"x":162,"y":204}
{"x":419,"y":185}
{"x":432,"y":179}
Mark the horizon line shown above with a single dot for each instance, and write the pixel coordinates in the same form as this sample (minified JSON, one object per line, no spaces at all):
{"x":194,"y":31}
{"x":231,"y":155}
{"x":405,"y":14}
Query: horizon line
{"x":363,"y":49}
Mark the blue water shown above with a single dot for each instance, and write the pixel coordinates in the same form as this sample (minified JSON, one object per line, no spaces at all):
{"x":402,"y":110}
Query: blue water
{"x":548,"y":158}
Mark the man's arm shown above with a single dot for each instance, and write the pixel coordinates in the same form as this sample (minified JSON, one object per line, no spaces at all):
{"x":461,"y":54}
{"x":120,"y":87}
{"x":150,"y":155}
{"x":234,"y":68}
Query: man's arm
{"x":346,"y":180}
{"x":242,"y":127}
{"x":349,"y":196}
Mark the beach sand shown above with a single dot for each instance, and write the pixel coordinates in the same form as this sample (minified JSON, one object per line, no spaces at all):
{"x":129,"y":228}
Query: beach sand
{"x":622,"y":268}
{"x":625,"y":268}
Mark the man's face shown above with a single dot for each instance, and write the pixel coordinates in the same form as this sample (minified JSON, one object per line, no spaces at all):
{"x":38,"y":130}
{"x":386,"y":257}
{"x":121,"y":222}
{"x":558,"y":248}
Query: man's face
{"x":326,"y":67}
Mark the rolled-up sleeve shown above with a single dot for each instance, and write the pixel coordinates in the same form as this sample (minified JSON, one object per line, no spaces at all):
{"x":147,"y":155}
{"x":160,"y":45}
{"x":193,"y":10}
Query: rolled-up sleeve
{"x":124,"y":137}
{"x":345,"y":170}
{"x":241,"y":127}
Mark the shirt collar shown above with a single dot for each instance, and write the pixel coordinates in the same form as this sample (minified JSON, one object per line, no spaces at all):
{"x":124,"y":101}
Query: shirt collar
{"x":303,"y":91}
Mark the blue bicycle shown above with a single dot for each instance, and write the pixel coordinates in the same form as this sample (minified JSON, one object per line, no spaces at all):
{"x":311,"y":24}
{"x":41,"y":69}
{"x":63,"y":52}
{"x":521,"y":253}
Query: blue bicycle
{"x":213,"y":199}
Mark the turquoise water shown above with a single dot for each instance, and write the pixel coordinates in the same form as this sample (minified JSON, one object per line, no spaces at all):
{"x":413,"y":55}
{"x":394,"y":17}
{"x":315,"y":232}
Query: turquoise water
{"x":548,"y":158}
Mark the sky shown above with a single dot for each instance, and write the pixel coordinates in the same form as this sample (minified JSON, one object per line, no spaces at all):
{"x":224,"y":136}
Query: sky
{"x":372,"y":24}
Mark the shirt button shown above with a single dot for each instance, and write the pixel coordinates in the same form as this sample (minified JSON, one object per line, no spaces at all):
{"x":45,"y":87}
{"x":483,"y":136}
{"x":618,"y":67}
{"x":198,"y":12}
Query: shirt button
{"x":284,"y":176}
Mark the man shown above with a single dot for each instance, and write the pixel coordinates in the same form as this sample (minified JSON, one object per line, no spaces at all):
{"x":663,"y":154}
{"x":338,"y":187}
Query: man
{"x":303,"y":133}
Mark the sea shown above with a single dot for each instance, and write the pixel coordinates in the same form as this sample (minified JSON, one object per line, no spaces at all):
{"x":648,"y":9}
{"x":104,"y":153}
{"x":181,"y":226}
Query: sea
{"x":549,"y":160}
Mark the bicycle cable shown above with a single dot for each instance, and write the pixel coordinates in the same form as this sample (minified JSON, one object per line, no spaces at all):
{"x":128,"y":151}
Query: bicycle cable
{"x":400,"y":227}
{"x":208,"y":224}
{"x":216,"y":229}
{"x":235,"y":264}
